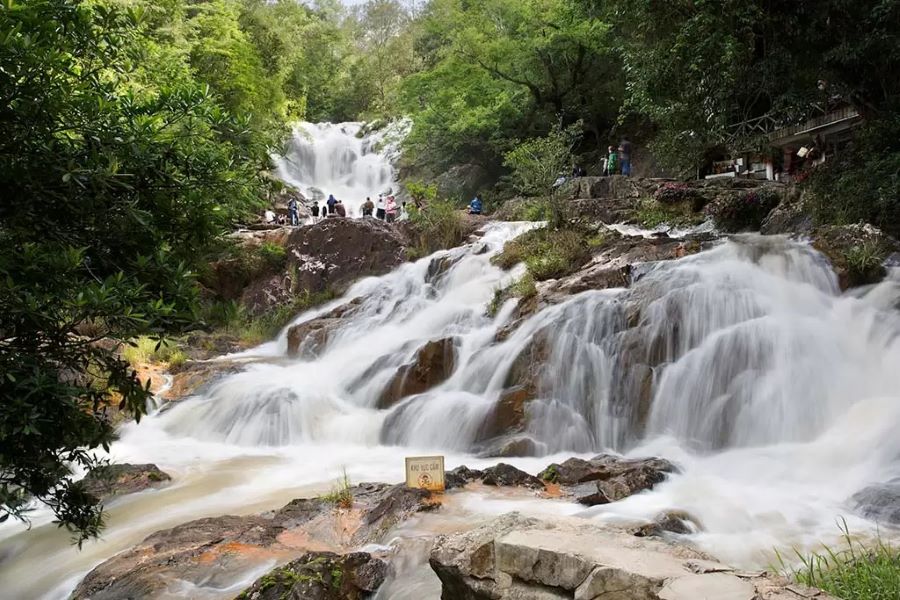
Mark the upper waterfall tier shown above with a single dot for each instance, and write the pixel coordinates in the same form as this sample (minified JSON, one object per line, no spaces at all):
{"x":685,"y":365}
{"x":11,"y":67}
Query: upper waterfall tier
{"x":341,"y":159}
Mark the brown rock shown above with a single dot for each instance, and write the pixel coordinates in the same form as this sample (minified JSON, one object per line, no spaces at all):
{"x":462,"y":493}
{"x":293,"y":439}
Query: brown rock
{"x":607,"y":478}
{"x":309,"y":338}
{"x":504,"y":475}
{"x":508,"y":414}
{"x":433,"y":364}
{"x":333,"y":254}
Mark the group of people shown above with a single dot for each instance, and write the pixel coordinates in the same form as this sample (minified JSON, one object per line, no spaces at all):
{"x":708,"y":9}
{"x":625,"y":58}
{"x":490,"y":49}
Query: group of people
{"x":618,"y":160}
{"x":384,"y":208}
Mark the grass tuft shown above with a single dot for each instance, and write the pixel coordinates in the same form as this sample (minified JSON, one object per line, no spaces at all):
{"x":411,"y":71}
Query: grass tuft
{"x":547,"y":253}
{"x":145,"y":350}
{"x":856,"y":573}
{"x":341,"y":495}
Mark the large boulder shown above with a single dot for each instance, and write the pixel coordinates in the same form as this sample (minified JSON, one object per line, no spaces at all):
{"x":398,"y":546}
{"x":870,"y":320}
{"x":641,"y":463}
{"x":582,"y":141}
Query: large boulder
{"x":108,"y":481}
{"x":791,"y":216}
{"x":462,"y":182}
{"x":607,"y":478}
{"x":433,"y":364}
{"x":515,"y":558}
{"x":334,"y":253}
{"x":321,"y":576}
{"x":218,"y":551}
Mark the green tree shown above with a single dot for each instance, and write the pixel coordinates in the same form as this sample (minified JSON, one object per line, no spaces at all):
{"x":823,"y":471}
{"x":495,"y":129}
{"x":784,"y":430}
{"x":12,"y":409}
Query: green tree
{"x":112,"y":185}
{"x":537,"y":163}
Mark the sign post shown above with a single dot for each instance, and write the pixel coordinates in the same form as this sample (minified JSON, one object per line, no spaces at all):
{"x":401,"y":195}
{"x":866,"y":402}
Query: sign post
{"x":425,"y":472}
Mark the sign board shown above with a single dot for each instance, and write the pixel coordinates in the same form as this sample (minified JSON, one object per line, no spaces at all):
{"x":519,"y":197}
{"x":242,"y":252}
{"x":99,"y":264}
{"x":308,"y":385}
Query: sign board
{"x":426,"y":472}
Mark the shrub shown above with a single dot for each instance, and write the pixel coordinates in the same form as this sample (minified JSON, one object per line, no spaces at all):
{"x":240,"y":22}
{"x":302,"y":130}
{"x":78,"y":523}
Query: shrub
{"x":864,"y":262}
{"x":674,"y":192}
{"x":744,"y":211}
{"x":863,"y":183}
{"x":546,"y":253}
{"x":857,"y":573}
{"x":232,"y":318}
{"x":145,"y":350}
{"x":651,"y":214}
{"x":437,"y":226}
{"x":535,"y":164}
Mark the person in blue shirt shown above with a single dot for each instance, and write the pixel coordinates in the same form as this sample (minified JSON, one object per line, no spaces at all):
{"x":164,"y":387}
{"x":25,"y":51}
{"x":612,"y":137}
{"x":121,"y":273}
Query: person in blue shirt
{"x":475,"y":205}
{"x":330,"y":203}
{"x":294,"y":212}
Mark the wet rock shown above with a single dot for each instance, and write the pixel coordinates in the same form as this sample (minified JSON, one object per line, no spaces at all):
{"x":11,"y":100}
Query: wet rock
{"x":334,"y":253}
{"x":460,"y":476}
{"x":321,"y":576}
{"x":857,"y":252}
{"x":433,"y":364}
{"x":880,"y":502}
{"x":606,"y":478}
{"x":108,"y":481}
{"x":308,"y":339}
{"x":205,"y":550}
{"x":790,"y":216}
{"x":462,"y":182}
{"x":516,"y":445}
{"x":516,"y":558}
{"x":216,"y":551}
{"x":668,"y":522}
{"x":508,"y":413}
{"x":503,"y":475}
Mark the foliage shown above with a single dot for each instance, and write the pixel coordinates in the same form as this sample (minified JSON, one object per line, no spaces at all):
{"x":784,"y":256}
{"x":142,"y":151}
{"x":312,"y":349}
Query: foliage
{"x":523,"y":289}
{"x":145,"y":350}
{"x":421,"y":193}
{"x":673,"y":192}
{"x":118,"y":170}
{"x":498,"y":70}
{"x":650,"y":214}
{"x":437,"y":226}
{"x":547,"y":253}
{"x":863,"y":183}
{"x":744,"y":211}
{"x":230,"y":316}
{"x":855,"y":573}
{"x":865,"y":262}
{"x":693,"y":69}
{"x":537,"y":163}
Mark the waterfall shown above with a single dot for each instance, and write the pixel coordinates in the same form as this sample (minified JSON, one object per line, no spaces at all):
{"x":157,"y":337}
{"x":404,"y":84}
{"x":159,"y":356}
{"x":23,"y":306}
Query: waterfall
{"x":775,"y":394}
{"x":342,"y":159}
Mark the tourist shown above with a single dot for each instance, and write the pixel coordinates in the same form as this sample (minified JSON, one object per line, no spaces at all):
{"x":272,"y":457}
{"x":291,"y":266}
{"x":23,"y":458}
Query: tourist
{"x":625,"y":156}
{"x":404,"y":214}
{"x":269,"y":216}
{"x":368,"y":207}
{"x":612,"y":162}
{"x":475,"y":206}
{"x":330,"y":203}
{"x":294,"y":212}
{"x":391,"y":209}
{"x":379,"y":207}
{"x":339,"y":209}
{"x":315,"y":210}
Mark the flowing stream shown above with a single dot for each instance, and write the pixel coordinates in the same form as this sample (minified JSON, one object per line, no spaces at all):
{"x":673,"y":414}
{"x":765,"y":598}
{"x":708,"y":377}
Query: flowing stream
{"x":775,"y":394}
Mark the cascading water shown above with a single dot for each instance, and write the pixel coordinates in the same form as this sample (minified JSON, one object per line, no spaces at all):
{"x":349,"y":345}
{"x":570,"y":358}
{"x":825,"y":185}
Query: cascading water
{"x":341,"y":159}
{"x":776,"y":395}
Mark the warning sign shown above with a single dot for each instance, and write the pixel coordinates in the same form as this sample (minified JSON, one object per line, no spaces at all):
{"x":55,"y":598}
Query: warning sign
{"x":426,"y":472}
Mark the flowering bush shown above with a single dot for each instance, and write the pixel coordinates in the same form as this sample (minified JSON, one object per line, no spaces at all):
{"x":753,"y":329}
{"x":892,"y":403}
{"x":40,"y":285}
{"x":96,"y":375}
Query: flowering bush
{"x":744,"y":211}
{"x":674,"y":192}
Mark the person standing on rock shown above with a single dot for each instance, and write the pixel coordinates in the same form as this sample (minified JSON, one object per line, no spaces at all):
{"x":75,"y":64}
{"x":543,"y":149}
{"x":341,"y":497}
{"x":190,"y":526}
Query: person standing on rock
{"x":368,"y":208}
{"x":294,"y":212}
{"x":315,"y":210}
{"x":339,"y":209}
{"x":379,"y":207}
{"x":612,"y":161}
{"x":625,"y":156}
{"x":391,"y":209}
{"x":330,"y":203}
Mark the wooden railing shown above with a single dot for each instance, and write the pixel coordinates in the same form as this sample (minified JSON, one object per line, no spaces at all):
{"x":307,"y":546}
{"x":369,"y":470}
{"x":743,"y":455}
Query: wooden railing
{"x":771,"y":126}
